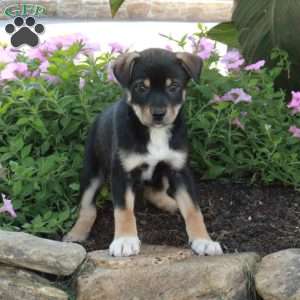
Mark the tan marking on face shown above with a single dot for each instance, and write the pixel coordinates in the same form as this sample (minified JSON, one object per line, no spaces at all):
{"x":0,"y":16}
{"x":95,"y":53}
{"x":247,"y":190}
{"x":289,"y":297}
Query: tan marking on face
{"x":143,"y":113}
{"x":147,"y":82}
{"x":125,"y":222}
{"x":160,"y":198}
{"x":172,"y":112}
{"x":192,"y":215}
{"x":168,"y":82}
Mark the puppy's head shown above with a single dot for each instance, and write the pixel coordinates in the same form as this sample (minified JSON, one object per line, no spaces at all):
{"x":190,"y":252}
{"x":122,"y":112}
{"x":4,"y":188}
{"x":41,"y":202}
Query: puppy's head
{"x":155,"y":81}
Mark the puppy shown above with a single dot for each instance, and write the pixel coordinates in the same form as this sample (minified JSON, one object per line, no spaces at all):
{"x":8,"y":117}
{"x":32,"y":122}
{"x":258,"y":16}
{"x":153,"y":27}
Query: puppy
{"x":140,"y":144}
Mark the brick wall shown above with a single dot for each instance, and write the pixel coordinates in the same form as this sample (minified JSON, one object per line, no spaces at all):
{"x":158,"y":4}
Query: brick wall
{"x":179,"y":10}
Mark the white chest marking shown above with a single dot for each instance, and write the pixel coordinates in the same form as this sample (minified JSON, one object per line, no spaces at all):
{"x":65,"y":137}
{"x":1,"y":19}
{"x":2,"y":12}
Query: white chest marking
{"x":158,"y":150}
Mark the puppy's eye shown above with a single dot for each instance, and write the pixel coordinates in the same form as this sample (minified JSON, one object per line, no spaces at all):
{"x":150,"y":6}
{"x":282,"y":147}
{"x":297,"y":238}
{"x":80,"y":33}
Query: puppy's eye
{"x":174,"y":87}
{"x":141,"y":88}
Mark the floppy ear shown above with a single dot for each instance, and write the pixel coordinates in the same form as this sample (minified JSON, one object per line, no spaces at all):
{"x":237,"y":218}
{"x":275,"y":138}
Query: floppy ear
{"x":122,"y":67}
{"x":191,"y":63}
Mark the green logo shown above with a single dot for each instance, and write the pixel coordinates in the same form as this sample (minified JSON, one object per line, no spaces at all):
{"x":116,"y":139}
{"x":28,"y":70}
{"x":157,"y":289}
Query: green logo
{"x":24,"y":10}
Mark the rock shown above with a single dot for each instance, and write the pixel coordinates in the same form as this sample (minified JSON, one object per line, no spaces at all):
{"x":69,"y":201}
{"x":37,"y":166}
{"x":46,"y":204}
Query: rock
{"x":17,"y":284}
{"x":28,"y":251}
{"x":278,"y":276}
{"x":162,"y":272}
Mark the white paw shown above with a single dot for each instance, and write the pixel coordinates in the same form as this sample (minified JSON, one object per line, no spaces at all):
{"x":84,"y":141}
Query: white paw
{"x":125,"y":246}
{"x":206,"y":247}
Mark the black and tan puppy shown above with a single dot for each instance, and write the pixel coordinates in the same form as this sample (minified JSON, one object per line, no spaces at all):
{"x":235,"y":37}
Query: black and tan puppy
{"x":140,"y":143}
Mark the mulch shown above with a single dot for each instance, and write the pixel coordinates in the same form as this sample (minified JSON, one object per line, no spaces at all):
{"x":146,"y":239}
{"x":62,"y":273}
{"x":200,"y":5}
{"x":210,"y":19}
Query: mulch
{"x":242,"y":217}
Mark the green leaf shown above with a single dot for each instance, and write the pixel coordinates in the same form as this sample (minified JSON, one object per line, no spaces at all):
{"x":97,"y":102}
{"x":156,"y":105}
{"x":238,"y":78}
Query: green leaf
{"x":25,"y":151}
{"x":115,"y":5}
{"x":267,"y":24}
{"x":214,"y":171}
{"x":225,"y":33}
{"x":17,"y":145}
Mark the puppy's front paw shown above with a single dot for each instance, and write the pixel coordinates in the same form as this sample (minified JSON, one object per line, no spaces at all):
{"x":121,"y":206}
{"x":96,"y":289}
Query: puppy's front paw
{"x":206,"y":247}
{"x":125,"y":246}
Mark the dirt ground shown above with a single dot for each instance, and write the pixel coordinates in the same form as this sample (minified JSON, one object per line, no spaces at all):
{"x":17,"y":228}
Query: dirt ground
{"x":242,"y":217}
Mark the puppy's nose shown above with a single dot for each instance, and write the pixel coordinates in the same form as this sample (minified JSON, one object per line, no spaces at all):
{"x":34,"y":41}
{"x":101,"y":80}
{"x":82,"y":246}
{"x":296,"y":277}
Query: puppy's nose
{"x":158,"y":113}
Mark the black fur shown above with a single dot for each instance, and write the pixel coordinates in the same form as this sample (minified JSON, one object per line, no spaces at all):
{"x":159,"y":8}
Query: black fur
{"x":119,"y":128}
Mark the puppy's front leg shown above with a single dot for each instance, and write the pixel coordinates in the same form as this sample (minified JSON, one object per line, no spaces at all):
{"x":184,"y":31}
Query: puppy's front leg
{"x":126,"y":241}
{"x":199,"y":238}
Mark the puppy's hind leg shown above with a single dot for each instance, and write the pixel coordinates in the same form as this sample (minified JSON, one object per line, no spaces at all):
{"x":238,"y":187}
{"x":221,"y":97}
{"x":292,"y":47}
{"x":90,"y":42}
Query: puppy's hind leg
{"x":91,"y":181}
{"x":160,"y":198}
{"x":87,"y":212}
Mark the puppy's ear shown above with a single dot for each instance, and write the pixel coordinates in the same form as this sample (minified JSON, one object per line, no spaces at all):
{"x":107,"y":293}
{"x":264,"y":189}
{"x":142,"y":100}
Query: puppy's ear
{"x":191,"y":63}
{"x":122,"y":67}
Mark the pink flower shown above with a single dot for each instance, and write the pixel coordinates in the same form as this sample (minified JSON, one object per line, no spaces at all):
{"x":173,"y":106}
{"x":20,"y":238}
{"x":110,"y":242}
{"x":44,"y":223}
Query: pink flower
{"x":206,"y":48}
{"x":43,"y":51}
{"x":44,"y":66}
{"x":65,"y":41}
{"x":7,"y":55}
{"x":232,"y":60}
{"x":236,"y":96}
{"x":256,"y":67}
{"x":295,"y":131}
{"x":169,"y":48}
{"x":42,"y":72}
{"x":116,"y":47}
{"x":237,"y":123}
{"x":81,"y":83}
{"x":295,"y":102}
{"x":36,"y":53}
{"x":7,"y":207}
{"x":90,"y":48}
{"x":12,"y":70}
{"x":203,"y":47}
{"x":51,"y":79}
{"x":36,"y":73}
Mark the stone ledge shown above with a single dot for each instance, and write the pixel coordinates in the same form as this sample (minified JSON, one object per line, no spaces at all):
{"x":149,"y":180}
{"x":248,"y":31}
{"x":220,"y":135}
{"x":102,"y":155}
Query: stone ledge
{"x":159,"y":272}
{"x":48,"y":256}
{"x":167,"y":10}
{"x":166,"y":273}
{"x":19,"y":284}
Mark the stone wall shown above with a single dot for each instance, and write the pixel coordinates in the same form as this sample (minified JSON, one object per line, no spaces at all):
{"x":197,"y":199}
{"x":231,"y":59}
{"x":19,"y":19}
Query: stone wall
{"x":179,"y":10}
{"x":158,"y":272}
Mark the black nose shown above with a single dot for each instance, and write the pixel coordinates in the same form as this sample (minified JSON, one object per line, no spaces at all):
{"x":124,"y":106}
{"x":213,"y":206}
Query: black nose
{"x":158,"y":113}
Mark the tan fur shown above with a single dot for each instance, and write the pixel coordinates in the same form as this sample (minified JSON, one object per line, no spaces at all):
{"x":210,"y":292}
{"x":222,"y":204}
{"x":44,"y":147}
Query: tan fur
{"x":160,"y":198}
{"x":125,"y":222}
{"x":147,"y":82}
{"x":83,"y":225}
{"x":87,"y":215}
{"x":192,"y":215}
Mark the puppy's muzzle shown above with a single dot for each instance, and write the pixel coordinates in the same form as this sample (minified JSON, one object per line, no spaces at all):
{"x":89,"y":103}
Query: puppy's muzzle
{"x":158,"y":113}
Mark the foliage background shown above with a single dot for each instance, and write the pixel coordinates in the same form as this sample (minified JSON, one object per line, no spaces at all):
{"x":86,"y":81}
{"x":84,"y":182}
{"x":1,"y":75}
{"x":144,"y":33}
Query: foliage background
{"x":44,"y":123}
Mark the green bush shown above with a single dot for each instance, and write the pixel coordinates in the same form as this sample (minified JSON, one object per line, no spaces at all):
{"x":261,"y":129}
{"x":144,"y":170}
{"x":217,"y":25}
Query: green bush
{"x":43,"y":127}
{"x":50,"y":96}
{"x":243,"y":140}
